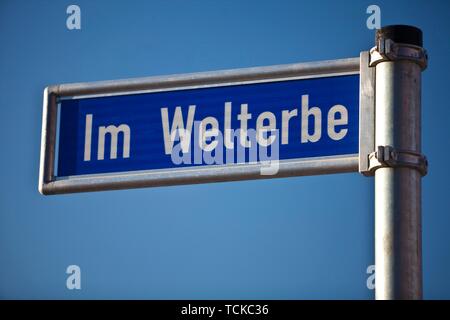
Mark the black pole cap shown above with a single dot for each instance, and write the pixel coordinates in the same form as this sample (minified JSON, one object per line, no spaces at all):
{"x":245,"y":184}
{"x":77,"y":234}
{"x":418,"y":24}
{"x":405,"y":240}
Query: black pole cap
{"x":401,"y":34}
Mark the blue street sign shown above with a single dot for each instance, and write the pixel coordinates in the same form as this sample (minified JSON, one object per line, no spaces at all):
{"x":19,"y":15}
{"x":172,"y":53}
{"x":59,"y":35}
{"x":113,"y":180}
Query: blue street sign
{"x":253,"y":123}
{"x":308,"y":118}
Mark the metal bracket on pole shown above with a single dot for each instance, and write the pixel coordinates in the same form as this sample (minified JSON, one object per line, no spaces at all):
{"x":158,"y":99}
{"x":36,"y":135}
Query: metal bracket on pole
{"x":386,"y":156}
{"x":366,"y":112}
{"x":388,"y":50}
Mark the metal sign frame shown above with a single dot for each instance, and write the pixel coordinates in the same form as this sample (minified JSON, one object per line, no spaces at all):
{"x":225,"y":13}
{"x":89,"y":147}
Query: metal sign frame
{"x":49,"y":184}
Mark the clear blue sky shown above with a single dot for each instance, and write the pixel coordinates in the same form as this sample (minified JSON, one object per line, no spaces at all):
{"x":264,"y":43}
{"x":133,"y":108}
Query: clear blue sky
{"x":308,"y":237}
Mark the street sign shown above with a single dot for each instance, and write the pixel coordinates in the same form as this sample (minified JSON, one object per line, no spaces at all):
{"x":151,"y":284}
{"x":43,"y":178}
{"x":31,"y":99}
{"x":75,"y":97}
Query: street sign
{"x":278,"y":121}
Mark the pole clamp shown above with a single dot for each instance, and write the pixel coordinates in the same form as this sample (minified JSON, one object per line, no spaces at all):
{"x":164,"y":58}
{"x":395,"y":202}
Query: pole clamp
{"x":388,"y":157}
{"x":388,"y":50}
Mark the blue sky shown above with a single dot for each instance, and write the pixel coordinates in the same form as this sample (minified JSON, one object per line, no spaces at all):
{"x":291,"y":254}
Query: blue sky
{"x":293,"y":238}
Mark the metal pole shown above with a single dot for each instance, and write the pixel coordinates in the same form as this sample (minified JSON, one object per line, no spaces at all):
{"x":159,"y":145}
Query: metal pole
{"x":398,"y":163}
